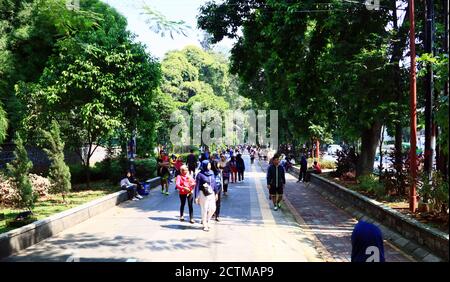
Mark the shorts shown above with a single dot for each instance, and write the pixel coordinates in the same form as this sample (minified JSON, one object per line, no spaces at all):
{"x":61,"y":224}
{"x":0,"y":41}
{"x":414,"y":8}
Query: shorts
{"x":276,"y":190}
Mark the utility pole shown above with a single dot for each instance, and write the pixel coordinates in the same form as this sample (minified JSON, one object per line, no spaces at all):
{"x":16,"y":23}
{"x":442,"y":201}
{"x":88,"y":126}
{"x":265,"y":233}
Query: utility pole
{"x":430,"y":138}
{"x":413,"y":109}
{"x":445,"y":162}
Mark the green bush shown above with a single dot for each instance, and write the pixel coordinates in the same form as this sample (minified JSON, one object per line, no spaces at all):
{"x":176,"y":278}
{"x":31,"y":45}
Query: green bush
{"x":371,"y":185}
{"x":434,"y":192}
{"x":77,"y":174}
{"x":145,"y":168}
{"x":113,"y":170}
{"x":324,"y":164}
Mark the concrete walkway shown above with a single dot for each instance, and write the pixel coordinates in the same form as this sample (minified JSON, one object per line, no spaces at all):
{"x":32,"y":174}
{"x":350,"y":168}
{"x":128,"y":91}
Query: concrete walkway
{"x":149,"y":230}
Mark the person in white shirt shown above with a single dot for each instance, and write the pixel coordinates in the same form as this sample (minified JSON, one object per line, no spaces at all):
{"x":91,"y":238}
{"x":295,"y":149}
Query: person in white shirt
{"x":131,"y":188}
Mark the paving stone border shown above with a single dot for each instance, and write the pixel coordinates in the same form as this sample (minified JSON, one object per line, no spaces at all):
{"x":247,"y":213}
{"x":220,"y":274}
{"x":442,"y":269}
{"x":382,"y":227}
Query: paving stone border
{"x":28,"y":235}
{"x":419,"y":240}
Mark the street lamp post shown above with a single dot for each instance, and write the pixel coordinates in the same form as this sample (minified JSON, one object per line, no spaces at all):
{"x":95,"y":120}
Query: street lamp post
{"x":413,"y":110}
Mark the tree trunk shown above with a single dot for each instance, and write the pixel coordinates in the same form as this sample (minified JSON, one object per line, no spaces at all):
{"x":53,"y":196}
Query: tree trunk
{"x":396,"y":57}
{"x":88,"y":173}
{"x":381,"y":151}
{"x":369,"y":142}
{"x":317,"y":149}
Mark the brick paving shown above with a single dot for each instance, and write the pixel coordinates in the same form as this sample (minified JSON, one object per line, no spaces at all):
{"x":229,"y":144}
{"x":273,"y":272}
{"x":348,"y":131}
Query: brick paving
{"x":330,"y":224}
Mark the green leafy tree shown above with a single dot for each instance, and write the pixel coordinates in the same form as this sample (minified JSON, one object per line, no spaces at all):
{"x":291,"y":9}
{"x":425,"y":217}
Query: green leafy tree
{"x":18,"y":171}
{"x":3,"y":124}
{"x":59,"y":171}
{"x":328,"y":69}
{"x":96,"y":85}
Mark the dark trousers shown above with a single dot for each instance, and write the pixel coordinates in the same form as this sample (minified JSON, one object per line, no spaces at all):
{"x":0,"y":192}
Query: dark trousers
{"x":217,"y":213}
{"x":191,"y":169}
{"x":131,"y":190}
{"x":302,"y":174}
{"x":225,"y":186}
{"x":240,"y":175}
{"x":190,"y":200}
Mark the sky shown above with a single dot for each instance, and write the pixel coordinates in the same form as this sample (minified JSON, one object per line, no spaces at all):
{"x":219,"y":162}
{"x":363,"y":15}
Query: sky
{"x":185,"y":10}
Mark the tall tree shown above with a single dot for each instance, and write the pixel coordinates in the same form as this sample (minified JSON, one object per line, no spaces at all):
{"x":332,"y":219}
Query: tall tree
{"x":59,"y":171}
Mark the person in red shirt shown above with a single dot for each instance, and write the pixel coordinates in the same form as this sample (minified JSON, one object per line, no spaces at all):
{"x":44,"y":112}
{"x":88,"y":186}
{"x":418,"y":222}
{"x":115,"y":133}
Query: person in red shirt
{"x":316,"y":168}
{"x":178,"y":164}
{"x":185,"y":185}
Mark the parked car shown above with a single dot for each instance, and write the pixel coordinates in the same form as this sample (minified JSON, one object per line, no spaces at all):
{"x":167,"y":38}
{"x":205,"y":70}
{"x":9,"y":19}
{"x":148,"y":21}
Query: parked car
{"x":333,"y":149}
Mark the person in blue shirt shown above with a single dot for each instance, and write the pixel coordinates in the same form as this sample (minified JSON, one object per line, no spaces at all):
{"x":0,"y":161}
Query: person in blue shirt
{"x":205,"y":193}
{"x":367,"y":243}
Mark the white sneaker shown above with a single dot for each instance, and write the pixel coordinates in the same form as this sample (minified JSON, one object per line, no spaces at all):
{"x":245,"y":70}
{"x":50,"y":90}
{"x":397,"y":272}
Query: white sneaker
{"x":135,"y":199}
{"x":206,"y":228}
{"x":139,"y":197}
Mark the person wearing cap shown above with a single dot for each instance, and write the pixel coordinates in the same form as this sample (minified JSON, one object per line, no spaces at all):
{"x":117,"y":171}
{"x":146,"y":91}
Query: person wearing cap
{"x":205,"y":193}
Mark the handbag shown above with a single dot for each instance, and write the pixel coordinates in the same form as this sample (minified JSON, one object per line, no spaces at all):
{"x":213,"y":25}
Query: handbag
{"x":207,"y":189}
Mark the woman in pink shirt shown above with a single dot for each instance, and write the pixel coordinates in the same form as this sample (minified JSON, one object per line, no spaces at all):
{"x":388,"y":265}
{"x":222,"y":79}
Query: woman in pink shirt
{"x":185,"y":185}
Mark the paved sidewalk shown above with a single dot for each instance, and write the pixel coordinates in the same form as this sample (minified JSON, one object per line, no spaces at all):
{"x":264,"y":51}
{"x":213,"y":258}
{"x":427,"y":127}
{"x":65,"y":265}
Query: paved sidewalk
{"x":330,"y":224}
{"x":150,"y":230}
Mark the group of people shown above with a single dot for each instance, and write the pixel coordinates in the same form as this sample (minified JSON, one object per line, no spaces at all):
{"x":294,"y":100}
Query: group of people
{"x":205,"y":188}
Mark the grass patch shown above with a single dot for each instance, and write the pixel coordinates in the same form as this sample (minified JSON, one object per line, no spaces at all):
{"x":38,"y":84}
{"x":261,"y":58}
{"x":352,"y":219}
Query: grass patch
{"x":52,"y":204}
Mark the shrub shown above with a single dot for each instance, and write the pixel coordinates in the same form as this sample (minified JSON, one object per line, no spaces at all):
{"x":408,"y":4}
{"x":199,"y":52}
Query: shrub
{"x":145,"y":168}
{"x":77,"y":175}
{"x":397,"y":181}
{"x":324,"y":164}
{"x":18,"y":171}
{"x":8,"y":191}
{"x":59,"y":172}
{"x":434,"y":192}
{"x":371,"y":185}
{"x":346,"y":162}
{"x":41,"y":185}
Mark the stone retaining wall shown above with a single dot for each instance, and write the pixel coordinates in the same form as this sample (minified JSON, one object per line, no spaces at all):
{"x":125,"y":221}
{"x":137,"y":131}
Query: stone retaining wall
{"x":26,"y":236}
{"x":431,"y":238}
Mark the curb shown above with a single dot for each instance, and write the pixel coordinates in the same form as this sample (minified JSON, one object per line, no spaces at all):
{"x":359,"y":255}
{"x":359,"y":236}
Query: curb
{"x":21,"y":238}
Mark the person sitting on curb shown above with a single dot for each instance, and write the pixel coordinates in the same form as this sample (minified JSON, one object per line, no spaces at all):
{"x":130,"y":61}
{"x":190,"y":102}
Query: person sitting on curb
{"x":131,"y":188}
{"x":316,"y":168}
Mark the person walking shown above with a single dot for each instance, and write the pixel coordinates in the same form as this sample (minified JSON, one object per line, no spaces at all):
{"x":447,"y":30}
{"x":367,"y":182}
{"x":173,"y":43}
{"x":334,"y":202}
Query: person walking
{"x":192,"y":163}
{"x":252,"y":155}
{"x":276,"y":181}
{"x":218,"y":190}
{"x":224,"y":166}
{"x":205,"y":193}
{"x":185,"y":185}
{"x":240,"y":165}
{"x":163,"y":172}
{"x":233,"y":168}
{"x":303,"y":169}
